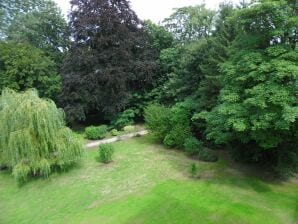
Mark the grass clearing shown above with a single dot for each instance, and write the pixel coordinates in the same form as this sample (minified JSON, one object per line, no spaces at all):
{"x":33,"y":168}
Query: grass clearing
{"x":148,"y":184}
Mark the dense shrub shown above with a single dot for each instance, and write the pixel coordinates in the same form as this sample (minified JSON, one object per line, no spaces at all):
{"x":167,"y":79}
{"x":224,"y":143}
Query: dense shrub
{"x":34,"y":139}
{"x":94,"y":132}
{"x":157,"y":120}
{"x":129,"y":128}
{"x":207,"y":155}
{"x":169,"y":141}
{"x":123,"y":119}
{"x":114,"y":132}
{"x":287,"y":164}
{"x":180,"y":127}
{"x":106,"y":152}
{"x":177,"y":136}
{"x":193,"y":146}
{"x":171,"y":125}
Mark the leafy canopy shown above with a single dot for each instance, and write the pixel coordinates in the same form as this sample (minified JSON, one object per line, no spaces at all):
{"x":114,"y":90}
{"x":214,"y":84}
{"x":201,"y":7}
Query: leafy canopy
{"x":23,"y":66}
{"x":110,"y":58}
{"x":190,"y":23}
{"x":258,"y":101}
{"x":42,"y":26}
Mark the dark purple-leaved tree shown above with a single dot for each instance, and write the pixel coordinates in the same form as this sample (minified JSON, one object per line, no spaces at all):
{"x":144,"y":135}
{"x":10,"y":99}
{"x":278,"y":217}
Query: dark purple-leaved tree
{"x":110,"y":58}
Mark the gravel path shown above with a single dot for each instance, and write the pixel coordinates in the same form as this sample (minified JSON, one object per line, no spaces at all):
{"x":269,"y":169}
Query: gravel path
{"x":115,"y":139}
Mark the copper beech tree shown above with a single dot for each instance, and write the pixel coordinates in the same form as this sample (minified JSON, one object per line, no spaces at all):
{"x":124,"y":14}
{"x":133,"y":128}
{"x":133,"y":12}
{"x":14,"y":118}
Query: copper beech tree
{"x":109,"y":58}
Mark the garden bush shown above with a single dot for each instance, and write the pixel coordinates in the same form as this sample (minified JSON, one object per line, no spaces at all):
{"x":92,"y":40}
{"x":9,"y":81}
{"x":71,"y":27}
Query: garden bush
{"x":94,"y":132}
{"x":170,"y":125}
{"x":129,"y":128}
{"x":34,"y":139}
{"x":157,"y":120}
{"x":180,"y":123}
{"x":106,"y":152}
{"x":177,"y":136}
{"x":123,"y":119}
{"x":207,"y":155}
{"x":169,"y":141}
{"x":193,"y":146}
{"x":114,"y":132}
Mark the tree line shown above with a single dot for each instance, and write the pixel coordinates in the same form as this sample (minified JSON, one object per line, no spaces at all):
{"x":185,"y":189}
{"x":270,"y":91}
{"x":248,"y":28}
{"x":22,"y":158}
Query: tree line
{"x":229,"y":77}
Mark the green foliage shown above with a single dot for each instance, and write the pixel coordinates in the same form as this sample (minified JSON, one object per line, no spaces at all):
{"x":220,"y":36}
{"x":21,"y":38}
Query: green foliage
{"x":207,"y":155}
{"x":96,"y":132}
{"x":166,"y":90}
{"x":21,"y":172}
{"x":190,"y":23}
{"x":157,"y":120}
{"x":258,"y":101}
{"x":193,"y":146}
{"x":140,"y":100}
{"x":193,"y":170}
{"x":180,"y":127}
{"x":159,"y":37}
{"x":177,"y":136}
{"x":23,"y":66}
{"x":211,"y":54}
{"x":129,"y":128}
{"x":11,"y":9}
{"x":114,"y":132}
{"x":170,"y":125}
{"x":34,"y":139}
{"x":169,"y":141}
{"x":123,"y":119}
{"x":106,"y":152}
{"x":43,"y":27}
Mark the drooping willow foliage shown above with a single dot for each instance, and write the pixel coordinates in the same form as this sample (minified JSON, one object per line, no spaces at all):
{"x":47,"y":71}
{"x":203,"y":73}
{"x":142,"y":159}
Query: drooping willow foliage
{"x":34,"y":139}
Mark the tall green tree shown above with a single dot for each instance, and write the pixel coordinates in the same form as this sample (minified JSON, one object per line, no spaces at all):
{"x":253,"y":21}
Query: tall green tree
{"x":110,"y":58}
{"x":39,"y":23}
{"x":258,"y":102}
{"x":11,"y":9}
{"x":190,"y":23}
{"x":159,"y":37}
{"x":23,"y":67}
{"x":215,"y":51}
{"x":192,"y":28}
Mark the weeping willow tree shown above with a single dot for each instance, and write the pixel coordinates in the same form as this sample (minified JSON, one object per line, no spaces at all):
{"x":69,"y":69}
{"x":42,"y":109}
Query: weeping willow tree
{"x":34,"y":139}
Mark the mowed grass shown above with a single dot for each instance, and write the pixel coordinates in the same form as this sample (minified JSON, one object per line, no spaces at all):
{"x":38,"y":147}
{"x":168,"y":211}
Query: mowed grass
{"x":147,"y":183}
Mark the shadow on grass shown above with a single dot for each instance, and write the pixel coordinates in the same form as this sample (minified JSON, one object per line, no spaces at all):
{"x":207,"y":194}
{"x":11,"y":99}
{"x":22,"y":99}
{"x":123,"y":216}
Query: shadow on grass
{"x":225,"y":171}
{"x":55,"y":172}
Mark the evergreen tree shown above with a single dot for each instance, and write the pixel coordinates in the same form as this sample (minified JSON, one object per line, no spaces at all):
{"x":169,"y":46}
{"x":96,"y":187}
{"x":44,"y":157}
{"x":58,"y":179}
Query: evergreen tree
{"x":258,"y":101}
{"x":109,"y":59}
{"x":215,"y":51}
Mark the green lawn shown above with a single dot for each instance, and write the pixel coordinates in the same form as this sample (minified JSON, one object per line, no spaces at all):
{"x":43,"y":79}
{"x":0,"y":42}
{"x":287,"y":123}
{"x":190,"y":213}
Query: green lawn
{"x":148,"y":184}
